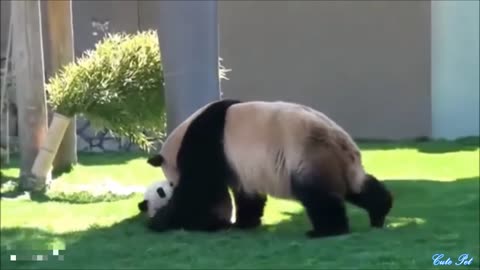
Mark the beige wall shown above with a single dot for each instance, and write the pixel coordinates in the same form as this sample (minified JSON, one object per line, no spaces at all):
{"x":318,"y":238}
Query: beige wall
{"x":365,"y":63}
{"x":122,"y":17}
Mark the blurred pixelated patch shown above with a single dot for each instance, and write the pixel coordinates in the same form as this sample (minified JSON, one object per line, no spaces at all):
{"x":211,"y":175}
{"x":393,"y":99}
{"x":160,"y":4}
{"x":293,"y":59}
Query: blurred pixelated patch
{"x":20,"y":254}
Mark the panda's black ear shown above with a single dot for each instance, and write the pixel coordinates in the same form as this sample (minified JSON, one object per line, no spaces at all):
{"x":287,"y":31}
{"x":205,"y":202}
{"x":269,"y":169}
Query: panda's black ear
{"x":156,"y":160}
{"x":161,"y":192}
{"x":143,"y":206}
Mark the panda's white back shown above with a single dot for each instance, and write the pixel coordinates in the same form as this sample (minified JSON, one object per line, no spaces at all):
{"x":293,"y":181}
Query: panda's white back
{"x":256,"y":131}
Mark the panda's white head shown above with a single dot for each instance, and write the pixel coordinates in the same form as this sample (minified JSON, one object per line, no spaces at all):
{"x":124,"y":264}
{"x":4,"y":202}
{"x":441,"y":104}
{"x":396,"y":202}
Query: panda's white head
{"x":155,"y":197}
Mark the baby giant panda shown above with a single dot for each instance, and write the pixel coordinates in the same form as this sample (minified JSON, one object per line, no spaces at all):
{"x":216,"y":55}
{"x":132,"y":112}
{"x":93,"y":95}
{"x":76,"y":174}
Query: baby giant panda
{"x":258,"y":148}
{"x":156,"y":196}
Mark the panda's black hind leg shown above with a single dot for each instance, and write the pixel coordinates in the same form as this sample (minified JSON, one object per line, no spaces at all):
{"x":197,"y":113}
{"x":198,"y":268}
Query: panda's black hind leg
{"x":249,"y":209}
{"x":325,"y":209}
{"x":375,"y":198}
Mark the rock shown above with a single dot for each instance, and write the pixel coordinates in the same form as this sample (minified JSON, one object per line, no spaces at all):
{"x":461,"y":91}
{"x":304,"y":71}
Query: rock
{"x":95,"y":142}
{"x":96,"y":149}
{"x":90,"y":132}
{"x":110,"y":144}
{"x":82,"y":145}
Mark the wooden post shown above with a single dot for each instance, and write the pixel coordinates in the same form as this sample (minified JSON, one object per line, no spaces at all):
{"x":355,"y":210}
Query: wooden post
{"x":61,"y":52}
{"x":31,"y":100}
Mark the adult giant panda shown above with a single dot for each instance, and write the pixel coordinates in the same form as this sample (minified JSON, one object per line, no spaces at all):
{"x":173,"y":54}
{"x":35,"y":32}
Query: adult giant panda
{"x":257,"y":148}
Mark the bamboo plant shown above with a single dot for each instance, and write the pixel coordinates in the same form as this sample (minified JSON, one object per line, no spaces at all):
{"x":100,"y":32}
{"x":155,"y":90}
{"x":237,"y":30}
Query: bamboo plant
{"x":118,"y":85}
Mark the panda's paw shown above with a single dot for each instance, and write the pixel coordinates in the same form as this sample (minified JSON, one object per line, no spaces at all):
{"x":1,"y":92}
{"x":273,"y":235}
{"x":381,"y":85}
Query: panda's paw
{"x":322,"y":234}
{"x":247,"y":225}
{"x":377,"y":222}
{"x":314,"y":234}
{"x":220,"y":226}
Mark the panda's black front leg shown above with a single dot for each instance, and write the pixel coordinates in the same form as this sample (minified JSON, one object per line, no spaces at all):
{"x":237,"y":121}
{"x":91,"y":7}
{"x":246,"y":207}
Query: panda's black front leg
{"x":375,"y":198}
{"x":164,"y":219}
{"x":175,"y":214}
{"x":326,"y":210}
{"x":213,"y":215}
{"x":249,"y":209}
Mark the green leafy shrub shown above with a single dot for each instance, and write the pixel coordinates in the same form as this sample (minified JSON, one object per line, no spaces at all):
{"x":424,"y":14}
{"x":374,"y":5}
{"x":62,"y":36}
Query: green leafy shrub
{"x":119,"y":86}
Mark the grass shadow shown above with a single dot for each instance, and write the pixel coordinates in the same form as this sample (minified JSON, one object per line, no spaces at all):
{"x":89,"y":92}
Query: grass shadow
{"x":108,"y":158}
{"x":6,"y":178}
{"x":81,"y":197}
{"x":428,"y":217}
{"x":11,"y":194}
{"x":8,"y":185}
{"x":78,"y":197}
{"x":423,"y":145}
{"x":87,"y":159}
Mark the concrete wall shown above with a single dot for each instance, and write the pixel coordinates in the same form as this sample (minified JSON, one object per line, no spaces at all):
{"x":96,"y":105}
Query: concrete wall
{"x":121,"y":16}
{"x":455,"y":68}
{"x":115,"y":16}
{"x":365,"y":63}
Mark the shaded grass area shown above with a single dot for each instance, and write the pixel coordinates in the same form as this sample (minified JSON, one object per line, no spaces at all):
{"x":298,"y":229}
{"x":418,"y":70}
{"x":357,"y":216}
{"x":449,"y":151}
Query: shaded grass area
{"x":436,"y":211}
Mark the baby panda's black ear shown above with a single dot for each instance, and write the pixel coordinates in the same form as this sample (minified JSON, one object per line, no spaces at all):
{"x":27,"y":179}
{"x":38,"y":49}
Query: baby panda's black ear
{"x":143,"y":206}
{"x":161,"y":192}
{"x":156,"y":160}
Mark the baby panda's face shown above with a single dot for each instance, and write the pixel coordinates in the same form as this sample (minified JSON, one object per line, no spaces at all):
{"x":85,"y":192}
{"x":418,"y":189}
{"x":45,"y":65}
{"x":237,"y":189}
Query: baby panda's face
{"x":156,"y":196}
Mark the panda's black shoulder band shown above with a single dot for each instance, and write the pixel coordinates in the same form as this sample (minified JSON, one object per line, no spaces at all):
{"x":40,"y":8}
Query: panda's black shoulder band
{"x":156,"y":160}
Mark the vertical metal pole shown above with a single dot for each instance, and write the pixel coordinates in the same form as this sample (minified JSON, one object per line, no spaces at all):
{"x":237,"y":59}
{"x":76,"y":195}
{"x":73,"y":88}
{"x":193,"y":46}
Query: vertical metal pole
{"x":188,"y":40}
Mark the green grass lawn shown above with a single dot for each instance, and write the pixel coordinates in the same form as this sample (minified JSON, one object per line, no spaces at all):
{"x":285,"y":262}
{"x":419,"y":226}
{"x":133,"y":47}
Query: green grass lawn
{"x":435,"y":184}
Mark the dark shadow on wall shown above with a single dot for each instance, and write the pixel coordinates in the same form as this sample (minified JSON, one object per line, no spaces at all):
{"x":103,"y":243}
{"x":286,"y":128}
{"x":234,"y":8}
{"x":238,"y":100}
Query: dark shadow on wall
{"x":423,"y":145}
{"x":428,"y":217}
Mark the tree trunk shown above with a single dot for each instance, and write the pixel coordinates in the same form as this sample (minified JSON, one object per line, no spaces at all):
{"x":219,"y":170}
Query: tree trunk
{"x":29,"y":76}
{"x":61,"y":52}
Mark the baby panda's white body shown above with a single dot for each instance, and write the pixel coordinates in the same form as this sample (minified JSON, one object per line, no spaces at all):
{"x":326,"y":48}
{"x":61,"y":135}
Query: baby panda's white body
{"x":156,"y":196}
{"x":257,"y":148}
